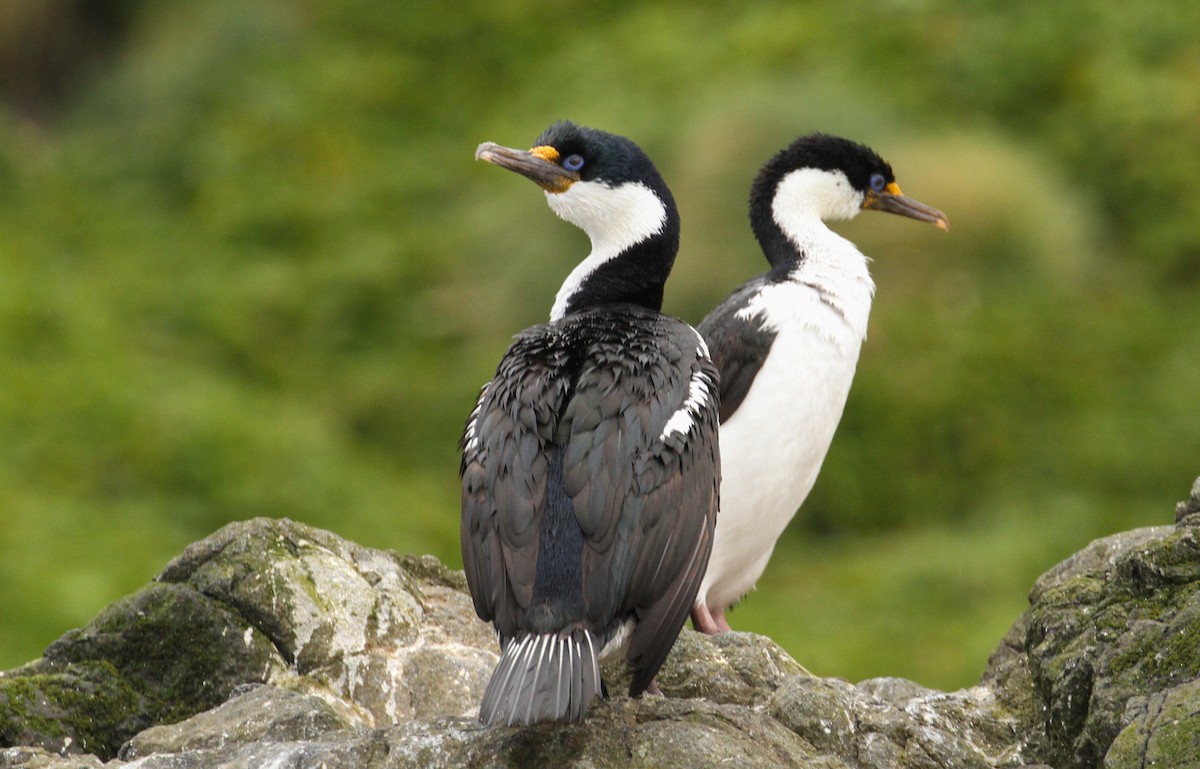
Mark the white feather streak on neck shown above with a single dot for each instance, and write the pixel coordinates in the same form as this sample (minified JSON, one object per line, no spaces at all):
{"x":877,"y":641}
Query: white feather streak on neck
{"x":831,"y":265}
{"x":614,"y":218}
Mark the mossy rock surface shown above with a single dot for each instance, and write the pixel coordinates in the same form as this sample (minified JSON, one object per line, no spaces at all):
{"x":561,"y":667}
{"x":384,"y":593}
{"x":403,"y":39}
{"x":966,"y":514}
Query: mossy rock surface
{"x":1163,"y":731}
{"x":162,"y":654}
{"x":1115,"y":624}
{"x":258,"y":601}
{"x":273,"y":643}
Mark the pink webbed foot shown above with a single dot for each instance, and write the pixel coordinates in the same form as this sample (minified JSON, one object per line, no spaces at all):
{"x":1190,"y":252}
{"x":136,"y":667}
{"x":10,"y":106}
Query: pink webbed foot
{"x":708,"y":622}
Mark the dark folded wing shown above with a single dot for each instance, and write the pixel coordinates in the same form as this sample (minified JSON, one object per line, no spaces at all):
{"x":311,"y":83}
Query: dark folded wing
{"x":504,"y":474}
{"x":642,"y":468}
{"x":739,"y":343}
{"x":634,"y":412}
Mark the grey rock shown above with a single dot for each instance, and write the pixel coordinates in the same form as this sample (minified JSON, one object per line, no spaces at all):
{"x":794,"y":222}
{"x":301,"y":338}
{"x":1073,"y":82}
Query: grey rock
{"x":259,"y":714}
{"x":1117,"y":621}
{"x":39,"y":758}
{"x":273,"y":643}
{"x":909,"y":726}
{"x":159,"y":655}
{"x":894,"y":690}
{"x":259,"y":601}
{"x":734,"y":668}
{"x":1191,"y":506}
{"x":349,"y":618}
{"x":1163,"y":731}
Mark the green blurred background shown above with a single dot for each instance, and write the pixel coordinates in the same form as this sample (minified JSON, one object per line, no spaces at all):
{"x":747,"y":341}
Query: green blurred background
{"x":248,"y":267}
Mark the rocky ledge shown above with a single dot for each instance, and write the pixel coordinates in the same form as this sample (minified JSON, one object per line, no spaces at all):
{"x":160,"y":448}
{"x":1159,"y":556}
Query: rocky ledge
{"x":272,"y":643}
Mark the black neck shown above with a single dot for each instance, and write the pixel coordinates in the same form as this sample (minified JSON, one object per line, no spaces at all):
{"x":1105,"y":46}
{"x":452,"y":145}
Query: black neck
{"x":776,"y":246}
{"x":637,"y":275}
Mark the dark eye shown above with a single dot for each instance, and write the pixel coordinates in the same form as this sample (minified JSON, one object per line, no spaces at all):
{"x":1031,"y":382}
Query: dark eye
{"x":573,"y":162}
{"x":877,"y":182}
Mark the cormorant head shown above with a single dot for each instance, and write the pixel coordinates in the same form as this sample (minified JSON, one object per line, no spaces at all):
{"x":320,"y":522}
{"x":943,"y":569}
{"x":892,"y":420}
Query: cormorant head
{"x":600,"y":182}
{"x":605,"y":185}
{"x":828,"y":177}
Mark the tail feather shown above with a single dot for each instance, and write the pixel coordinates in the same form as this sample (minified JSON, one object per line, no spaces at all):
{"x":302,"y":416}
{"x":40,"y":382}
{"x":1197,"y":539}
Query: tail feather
{"x":546,"y":677}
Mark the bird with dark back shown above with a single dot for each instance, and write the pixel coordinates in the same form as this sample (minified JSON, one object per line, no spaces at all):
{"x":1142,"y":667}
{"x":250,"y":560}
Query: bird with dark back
{"x":590,"y":463}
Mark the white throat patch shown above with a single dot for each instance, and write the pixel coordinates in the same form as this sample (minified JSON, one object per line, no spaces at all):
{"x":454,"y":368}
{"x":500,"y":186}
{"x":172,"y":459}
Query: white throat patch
{"x":812,"y":193}
{"x":614,"y":218}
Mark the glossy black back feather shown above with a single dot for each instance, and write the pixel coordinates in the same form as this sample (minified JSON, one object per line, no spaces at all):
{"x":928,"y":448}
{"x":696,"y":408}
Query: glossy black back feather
{"x":581,"y":511}
{"x":558,"y":576}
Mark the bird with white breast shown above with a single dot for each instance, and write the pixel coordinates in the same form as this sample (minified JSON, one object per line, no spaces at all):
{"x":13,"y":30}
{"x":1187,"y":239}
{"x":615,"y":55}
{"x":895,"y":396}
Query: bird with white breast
{"x":786,"y":344}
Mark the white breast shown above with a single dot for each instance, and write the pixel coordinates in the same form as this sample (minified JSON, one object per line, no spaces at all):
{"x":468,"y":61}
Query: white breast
{"x":773,"y":446}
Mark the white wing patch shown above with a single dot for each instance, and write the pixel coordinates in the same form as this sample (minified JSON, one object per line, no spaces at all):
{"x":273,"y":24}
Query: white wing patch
{"x":471,"y":435}
{"x":700,"y":392}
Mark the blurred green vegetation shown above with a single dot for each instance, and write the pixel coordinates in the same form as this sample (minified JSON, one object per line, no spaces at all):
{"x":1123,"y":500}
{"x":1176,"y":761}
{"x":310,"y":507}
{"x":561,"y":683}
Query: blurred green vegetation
{"x":248,"y":267}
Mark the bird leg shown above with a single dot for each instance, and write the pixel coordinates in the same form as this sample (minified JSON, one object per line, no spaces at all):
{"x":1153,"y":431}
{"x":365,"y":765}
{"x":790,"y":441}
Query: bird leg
{"x":706,"y":622}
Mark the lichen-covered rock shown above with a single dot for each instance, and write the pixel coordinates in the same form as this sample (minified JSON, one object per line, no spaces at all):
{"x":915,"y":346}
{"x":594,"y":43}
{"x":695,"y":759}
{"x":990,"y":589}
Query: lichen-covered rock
{"x":349,"y":618}
{"x":273,"y":643}
{"x":1115,"y":624}
{"x":896,"y":723}
{"x":1163,"y":731}
{"x":39,"y":758}
{"x":257,"y":714}
{"x":391,"y":638}
{"x":734,"y":668}
{"x":161,"y":654}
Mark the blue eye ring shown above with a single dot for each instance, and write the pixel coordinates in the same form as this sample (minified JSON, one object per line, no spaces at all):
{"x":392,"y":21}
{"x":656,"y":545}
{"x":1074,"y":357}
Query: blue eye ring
{"x":573,"y":162}
{"x":878,"y":182}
